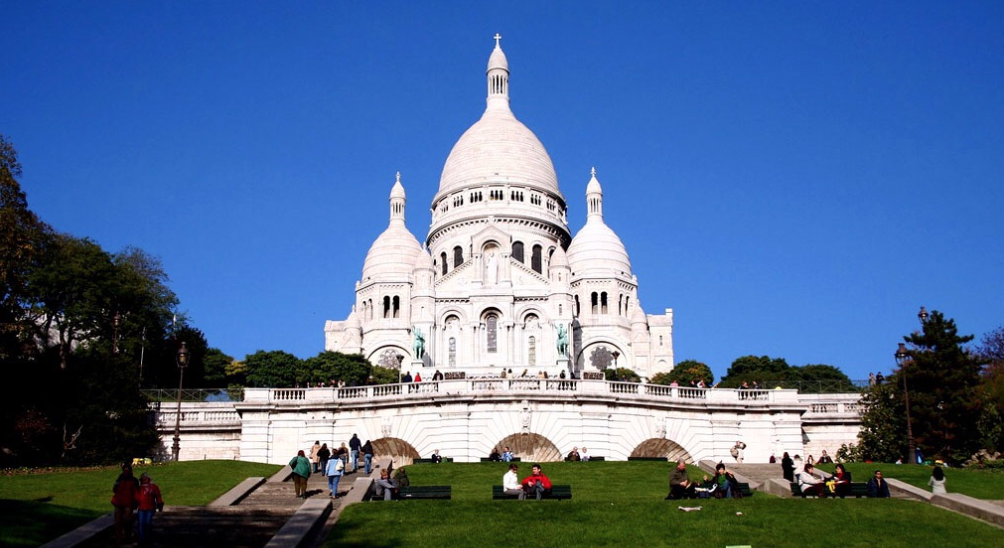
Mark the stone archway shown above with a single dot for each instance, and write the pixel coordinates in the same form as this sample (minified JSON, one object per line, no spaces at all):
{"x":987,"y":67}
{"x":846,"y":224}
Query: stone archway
{"x":531,"y":448}
{"x":663,"y":449}
{"x":396,"y":449}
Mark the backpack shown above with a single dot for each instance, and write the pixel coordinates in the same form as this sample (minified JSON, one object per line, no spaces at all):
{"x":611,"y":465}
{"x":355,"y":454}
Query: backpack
{"x":735,"y":452}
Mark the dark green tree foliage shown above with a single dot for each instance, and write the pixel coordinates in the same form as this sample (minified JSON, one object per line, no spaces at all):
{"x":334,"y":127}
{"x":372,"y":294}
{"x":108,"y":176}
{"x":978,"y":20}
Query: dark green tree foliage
{"x":685,"y":373}
{"x":821,"y":377}
{"x":384,"y":375}
{"x":882,"y":437}
{"x":991,"y":390}
{"x":942,"y":378}
{"x":763,"y":369}
{"x":216,"y":363}
{"x":621,"y":374}
{"x":272,"y":369}
{"x":335,"y":366}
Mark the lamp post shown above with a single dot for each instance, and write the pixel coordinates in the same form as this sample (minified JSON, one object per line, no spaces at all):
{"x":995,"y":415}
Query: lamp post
{"x":400,"y":366}
{"x":182,"y":359}
{"x":902,"y":359}
{"x":616,"y":355}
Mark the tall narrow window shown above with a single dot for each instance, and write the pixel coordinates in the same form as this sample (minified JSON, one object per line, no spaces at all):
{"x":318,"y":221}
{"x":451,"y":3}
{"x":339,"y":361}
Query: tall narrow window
{"x":517,"y":251}
{"x":535,"y":260}
{"x":386,"y":307}
{"x":397,"y":307}
{"x":620,"y":305}
{"x":458,"y":256}
{"x":595,"y":303}
{"x":453,"y":351}
{"x":531,"y":351}
{"x":442,"y":258}
{"x":603,"y":302}
{"x":491,"y":326}
{"x":578,"y":309}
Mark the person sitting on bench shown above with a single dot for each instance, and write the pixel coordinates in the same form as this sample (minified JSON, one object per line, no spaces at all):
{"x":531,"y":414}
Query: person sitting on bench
{"x":537,"y":483}
{"x":680,"y":486}
{"x":436,"y":457}
{"x":385,"y":486}
{"x":510,"y":483}
{"x":810,"y":484}
{"x":878,"y":487}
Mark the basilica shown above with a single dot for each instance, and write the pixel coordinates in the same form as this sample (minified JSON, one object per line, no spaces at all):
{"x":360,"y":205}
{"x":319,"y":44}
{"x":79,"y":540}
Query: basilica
{"x":500,"y":284}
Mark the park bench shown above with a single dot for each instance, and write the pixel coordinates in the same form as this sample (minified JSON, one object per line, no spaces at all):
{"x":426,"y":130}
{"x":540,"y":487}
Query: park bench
{"x":514,"y":459}
{"x":429,"y":461}
{"x":595,"y":458}
{"x":421,"y":492}
{"x":558,"y":492}
{"x":858,"y":490}
{"x":663,"y":459}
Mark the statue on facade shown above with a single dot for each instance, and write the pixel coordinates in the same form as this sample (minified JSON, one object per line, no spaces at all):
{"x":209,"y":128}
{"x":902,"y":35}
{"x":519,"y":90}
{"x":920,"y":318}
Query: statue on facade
{"x":419,"y":345}
{"x":492,"y":269}
{"x":562,"y":341}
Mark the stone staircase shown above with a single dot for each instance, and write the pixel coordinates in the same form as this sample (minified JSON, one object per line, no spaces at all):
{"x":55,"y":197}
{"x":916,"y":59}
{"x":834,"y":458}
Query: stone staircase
{"x":192,"y":526}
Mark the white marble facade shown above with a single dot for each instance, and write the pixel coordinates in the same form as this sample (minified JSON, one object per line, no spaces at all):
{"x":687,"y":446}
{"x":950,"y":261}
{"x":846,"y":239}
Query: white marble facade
{"x":499,"y":274}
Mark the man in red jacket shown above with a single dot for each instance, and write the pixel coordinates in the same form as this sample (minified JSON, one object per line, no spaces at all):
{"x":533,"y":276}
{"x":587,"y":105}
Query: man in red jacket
{"x":125,"y":493}
{"x":149,"y":502}
{"x":537,"y":483}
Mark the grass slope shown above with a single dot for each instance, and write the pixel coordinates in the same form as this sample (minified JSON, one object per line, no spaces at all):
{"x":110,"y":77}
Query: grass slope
{"x":36,"y":508}
{"x":621,"y":504}
{"x":980,"y":484}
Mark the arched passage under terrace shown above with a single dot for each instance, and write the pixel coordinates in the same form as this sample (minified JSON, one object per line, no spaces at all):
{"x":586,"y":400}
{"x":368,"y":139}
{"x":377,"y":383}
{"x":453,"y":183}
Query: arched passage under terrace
{"x":531,"y":448}
{"x":396,"y":449}
{"x":663,"y":449}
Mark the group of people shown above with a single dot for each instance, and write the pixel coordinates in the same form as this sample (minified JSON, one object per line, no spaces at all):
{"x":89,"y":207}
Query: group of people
{"x":536,"y":484}
{"x":722,"y":486}
{"x":576,"y":456}
{"x":505,"y":456}
{"x":875,"y":379}
{"x":332,"y":464}
{"x":141,"y":496}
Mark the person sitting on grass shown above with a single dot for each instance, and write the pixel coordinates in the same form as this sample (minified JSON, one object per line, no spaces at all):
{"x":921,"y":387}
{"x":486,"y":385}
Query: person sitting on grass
{"x":385,"y":486}
{"x":878,"y":487}
{"x":680,"y":486}
{"x":937,"y":481}
{"x":537,"y":483}
{"x":810,"y":484}
{"x":726,"y":486}
{"x":510,"y":483}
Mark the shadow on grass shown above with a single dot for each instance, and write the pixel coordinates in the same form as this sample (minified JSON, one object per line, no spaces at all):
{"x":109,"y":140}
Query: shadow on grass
{"x":32,"y":523}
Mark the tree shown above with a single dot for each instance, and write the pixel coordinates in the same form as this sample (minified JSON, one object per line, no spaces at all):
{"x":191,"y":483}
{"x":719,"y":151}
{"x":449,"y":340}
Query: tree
{"x":334,"y":366}
{"x":942,"y":378}
{"x":991,"y":390}
{"x":685,"y":373}
{"x":22,"y":243}
{"x":621,"y":374}
{"x":762,"y":369}
{"x":882,"y":437}
{"x":216,"y":363}
{"x":273,"y":369}
{"x":822,"y":378}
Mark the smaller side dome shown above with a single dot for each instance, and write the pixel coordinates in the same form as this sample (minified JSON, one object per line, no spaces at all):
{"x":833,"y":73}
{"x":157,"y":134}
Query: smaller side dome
{"x":497,"y":59}
{"x":395,"y":251}
{"x":559,"y":258}
{"x":423,"y":261}
{"x":596,"y":250}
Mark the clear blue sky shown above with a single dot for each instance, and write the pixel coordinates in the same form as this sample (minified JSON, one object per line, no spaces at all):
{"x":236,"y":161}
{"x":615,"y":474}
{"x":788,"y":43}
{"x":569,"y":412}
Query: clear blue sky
{"x":794,"y":178}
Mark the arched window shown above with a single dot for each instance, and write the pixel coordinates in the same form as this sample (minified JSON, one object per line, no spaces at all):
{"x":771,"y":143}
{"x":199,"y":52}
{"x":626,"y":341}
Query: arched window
{"x":491,"y":328}
{"x":397,"y":307}
{"x":386,"y":307}
{"x":453,"y":351}
{"x":442,"y":259}
{"x":531,"y":351}
{"x":578,"y":308}
{"x":561,"y":309}
{"x":517,"y":251}
{"x":660,"y":340}
{"x":458,"y":256}
{"x":535,"y":260}
{"x":603,"y":302}
{"x":595,"y":303}
{"x":620,"y":305}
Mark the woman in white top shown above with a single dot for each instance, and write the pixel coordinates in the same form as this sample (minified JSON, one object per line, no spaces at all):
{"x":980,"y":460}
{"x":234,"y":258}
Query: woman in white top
{"x":810,"y":484}
{"x":937,"y":481}
{"x":584,"y":455}
{"x":510,"y":483}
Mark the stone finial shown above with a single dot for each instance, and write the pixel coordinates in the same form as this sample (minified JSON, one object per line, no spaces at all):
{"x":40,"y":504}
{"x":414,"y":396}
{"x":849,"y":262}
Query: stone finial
{"x":593,"y":172}
{"x":398,"y":176}
{"x":498,"y":37}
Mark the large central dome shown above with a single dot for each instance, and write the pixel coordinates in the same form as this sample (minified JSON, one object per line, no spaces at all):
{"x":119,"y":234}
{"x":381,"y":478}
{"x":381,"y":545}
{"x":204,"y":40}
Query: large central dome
{"x":498,"y":147}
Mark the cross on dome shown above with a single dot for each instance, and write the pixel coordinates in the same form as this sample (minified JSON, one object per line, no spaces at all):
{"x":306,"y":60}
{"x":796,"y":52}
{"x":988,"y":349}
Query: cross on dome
{"x":497,"y":38}
{"x":399,"y":176}
{"x":593,"y":172}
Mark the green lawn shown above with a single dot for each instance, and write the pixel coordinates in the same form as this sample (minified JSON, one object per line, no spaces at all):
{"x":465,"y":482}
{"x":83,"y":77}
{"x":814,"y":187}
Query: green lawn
{"x":621,"y":504}
{"x":36,"y":508}
{"x":975,"y":483}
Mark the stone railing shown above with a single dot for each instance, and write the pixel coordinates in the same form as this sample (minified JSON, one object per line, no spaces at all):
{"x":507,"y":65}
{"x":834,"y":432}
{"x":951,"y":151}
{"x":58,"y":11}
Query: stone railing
{"x":198,"y":414}
{"x":518,"y":386}
{"x":832,"y":406}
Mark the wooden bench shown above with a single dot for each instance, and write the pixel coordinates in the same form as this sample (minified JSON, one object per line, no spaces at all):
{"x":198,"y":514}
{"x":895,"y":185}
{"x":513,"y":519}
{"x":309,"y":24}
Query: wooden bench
{"x":597,"y":459}
{"x":429,"y":461}
{"x":421,"y":492}
{"x":514,"y":459}
{"x":857,"y":490}
{"x":558,"y":492}
{"x":663,"y":459}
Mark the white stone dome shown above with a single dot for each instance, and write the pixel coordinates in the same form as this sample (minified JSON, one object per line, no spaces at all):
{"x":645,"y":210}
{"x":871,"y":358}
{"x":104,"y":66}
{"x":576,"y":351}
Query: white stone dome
{"x":498,"y":147}
{"x":395,"y":251}
{"x":596,"y":249}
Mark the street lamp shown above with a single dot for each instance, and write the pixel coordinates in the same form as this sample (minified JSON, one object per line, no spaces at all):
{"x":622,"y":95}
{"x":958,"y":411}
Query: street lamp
{"x":616,"y":355}
{"x":182,"y":359}
{"x":902,"y":359}
{"x":400,"y":366}
{"x":922,"y":315}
